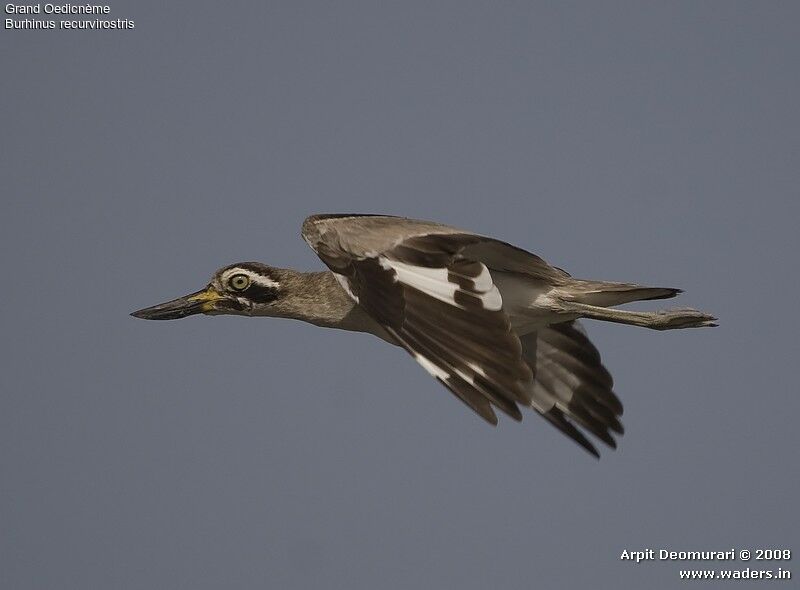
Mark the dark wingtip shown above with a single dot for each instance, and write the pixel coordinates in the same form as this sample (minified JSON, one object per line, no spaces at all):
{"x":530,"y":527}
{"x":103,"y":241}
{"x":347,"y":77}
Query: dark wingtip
{"x":556,"y":418}
{"x":668,"y":293}
{"x":709,"y":322}
{"x":592,"y":451}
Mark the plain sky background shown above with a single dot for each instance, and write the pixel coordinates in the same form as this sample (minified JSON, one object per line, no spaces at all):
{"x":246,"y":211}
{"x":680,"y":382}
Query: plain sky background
{"x":641,"y":141}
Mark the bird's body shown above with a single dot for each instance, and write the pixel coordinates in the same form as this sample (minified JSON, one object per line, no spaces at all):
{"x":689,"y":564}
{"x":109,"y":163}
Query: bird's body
{"x":493,"y":323}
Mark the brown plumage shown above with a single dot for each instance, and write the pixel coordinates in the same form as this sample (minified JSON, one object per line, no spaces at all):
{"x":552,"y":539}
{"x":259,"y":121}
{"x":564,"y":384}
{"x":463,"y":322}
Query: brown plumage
{"x":493,"y":323}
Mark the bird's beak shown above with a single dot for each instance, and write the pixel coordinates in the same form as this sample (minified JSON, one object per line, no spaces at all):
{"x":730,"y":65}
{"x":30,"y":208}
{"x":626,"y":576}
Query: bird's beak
{"x":203,"y":301}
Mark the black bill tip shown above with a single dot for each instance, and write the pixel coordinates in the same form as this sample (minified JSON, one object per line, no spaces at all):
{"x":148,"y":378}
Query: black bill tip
{"x":177,"y":308}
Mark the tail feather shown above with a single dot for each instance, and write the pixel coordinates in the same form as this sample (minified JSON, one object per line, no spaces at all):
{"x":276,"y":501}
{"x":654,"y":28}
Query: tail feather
{"x":607,"y":294}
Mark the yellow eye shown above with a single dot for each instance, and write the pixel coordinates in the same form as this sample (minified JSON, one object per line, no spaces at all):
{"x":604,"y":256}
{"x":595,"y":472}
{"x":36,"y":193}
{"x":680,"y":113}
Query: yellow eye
{"x":239,"y":282}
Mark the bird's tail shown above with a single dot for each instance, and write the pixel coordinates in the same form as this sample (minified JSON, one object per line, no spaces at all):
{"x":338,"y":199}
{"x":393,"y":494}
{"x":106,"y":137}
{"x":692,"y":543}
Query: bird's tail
{"x":608,"y":294}
{"x":593,"y":300}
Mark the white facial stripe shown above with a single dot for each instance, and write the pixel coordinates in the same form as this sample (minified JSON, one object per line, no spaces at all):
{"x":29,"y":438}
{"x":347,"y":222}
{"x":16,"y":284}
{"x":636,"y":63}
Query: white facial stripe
{"x":254,"y":277}
{"x":263,"y":281}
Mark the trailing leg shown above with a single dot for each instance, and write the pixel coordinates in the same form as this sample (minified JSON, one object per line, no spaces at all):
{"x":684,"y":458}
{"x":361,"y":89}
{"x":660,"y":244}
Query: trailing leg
{"x":670,"y":319}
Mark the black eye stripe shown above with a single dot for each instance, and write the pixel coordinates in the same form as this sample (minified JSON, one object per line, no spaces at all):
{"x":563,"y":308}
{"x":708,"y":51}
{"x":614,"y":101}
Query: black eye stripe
{"x":260,"y":293}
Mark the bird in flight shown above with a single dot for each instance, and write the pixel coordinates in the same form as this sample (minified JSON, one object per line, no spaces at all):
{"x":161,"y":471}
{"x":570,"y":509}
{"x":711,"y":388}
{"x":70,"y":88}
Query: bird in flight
{"x":495,"y":324}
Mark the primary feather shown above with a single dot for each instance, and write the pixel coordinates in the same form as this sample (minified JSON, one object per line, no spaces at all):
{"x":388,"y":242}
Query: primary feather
{"x":465,"y":307}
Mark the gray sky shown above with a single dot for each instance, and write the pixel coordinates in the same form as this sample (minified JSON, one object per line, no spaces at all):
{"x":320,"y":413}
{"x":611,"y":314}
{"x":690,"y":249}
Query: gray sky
{"x":648,"y":142}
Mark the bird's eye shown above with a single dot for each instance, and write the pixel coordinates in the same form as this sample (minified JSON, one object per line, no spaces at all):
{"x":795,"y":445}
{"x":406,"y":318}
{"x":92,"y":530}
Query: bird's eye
{"x":239,"y":282}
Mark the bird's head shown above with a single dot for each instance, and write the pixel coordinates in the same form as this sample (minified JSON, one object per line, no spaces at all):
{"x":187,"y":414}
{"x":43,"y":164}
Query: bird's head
{"x":245,"y":288}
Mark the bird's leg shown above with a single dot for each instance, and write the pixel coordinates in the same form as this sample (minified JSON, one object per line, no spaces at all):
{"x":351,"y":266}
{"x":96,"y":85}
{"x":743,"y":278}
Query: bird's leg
{"x":669,"y":319}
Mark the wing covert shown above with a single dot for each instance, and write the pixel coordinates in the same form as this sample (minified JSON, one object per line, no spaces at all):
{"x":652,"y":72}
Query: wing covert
{"x":443,"y":308}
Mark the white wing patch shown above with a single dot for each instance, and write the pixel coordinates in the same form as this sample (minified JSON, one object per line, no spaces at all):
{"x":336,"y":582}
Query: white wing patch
{"x":431,"y":281}
{"x":435,"y":282}
{"x":483,"y":282}
{"x":477,"y":369}
{"x":432,"y":368}
{"x":345,"y":284}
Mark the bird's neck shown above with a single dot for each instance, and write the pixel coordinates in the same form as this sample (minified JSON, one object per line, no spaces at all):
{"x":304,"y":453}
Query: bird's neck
{"x":317,"y":298}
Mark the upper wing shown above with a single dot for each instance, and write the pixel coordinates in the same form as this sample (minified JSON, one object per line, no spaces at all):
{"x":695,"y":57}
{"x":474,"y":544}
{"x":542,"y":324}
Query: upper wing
{"x":440,"y":305}
{"x":341,"y":237}
{"x":571,"y":384}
